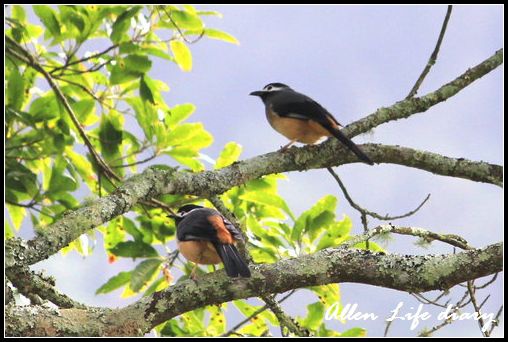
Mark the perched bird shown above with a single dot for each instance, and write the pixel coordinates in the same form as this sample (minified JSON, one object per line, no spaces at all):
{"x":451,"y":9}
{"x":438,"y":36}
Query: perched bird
{"x":205,"y":237}
{"x":301,"y":119}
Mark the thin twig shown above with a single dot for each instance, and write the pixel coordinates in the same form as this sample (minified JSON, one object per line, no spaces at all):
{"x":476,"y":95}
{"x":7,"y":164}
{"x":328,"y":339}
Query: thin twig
{"x":368,"y":212}
{"x":30,"y":60}
{"x":85,"y":59}
{"x":481,"y":322}
{"x":179,"y":30}
{"x":433,"y":56}
{"x":495,"y":323}
{"x":254,"y":314}
{"x":448,"y":320}
{"x":136,"y":162}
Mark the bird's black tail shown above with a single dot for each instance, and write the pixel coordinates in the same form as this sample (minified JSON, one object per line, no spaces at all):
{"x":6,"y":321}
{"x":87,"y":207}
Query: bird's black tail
{"x":351,"y":145}
{"x":233,"y":263}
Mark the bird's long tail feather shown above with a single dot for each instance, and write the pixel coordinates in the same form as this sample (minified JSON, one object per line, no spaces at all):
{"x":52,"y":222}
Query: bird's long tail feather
{"x":351,"y":145}
{"x":233,"y":263}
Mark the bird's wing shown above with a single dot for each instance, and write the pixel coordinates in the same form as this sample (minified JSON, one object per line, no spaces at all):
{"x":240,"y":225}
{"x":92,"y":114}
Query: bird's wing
{"x":298,"y":106}
{"x":196,"y":227}
{"x":208,"y":225}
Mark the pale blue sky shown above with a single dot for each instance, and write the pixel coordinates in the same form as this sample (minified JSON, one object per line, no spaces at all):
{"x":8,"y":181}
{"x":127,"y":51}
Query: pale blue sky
{"x":353,"y":60}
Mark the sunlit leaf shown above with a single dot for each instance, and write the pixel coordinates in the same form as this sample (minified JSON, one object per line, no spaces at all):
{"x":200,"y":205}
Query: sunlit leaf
{"x":182,"y":54}
{"x":228,"y":155}
{"x":221,"y":35}
{"x":273,"y":200}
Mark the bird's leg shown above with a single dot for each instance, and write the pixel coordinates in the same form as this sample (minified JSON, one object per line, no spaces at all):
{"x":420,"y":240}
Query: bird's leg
{"x":193,"y":272}
{"x":285,"y":147}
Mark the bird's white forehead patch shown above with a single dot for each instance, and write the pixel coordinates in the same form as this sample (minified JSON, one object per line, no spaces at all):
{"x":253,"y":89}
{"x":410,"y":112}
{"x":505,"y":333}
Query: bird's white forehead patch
{"x":271,"y":87}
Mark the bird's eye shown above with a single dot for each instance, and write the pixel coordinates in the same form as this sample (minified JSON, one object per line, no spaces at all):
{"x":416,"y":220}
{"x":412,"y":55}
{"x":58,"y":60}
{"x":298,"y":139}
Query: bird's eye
{"x":269,"y":88}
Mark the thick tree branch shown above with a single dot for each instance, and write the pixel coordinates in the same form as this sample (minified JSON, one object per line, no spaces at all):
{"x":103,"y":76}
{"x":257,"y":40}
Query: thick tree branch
{"x":153,"y":183}
{"x":334,"y":265}
{"x":30,"y":283}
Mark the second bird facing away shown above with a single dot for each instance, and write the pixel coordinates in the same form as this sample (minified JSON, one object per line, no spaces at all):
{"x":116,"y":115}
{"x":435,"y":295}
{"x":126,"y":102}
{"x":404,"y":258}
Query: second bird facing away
{"x":205,"y":237}
{"x":301,"y":119}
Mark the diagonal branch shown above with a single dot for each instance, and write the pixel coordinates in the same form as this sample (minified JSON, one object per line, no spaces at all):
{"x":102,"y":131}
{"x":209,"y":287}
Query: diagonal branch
{"x":433,"y":56}
{"x":27,"y":58}
{"x":29,"y":283}
{"x":406,"y":108}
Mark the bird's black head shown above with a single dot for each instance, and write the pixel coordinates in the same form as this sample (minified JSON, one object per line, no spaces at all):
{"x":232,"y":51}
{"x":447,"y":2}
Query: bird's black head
{"x":270,"y":89}
{"x":182,"y":211}
{"x":188,"y":207}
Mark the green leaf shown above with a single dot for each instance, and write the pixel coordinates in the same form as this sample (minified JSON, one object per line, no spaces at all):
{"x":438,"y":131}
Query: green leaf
{"x":131,"y":229}
{"x":217,"y":324}
{"x":19,"y":13}
{"x":114,"y":233}
{"x":134,"y":249}
{"x":192,"y":135}
{"x":316,"y":218}
{"x":122,"y":24}
{"x":182,"y":54}
{"x":115,"y":282}
{"x":186,"y":20}
{"x":192,"y":163}
{"x":17,"y":215}
{"x":48,"y":18}
{"x":335,"y":234}
{"x":15,"y":89}
{"x":229,"y":155}
{"x":59,"y":181}
{"x":8,"y":232}
{"x":137,"y":64}
{"x":221,"y":35}
{"x":145,"y":90}
{"x":179,"y":113}
{"x":143,"y":273}
{"x":354,"y":332}
{"x":111,"y":134}
{"x":315,"y":315}
{"x":273,"y":200}
{"x":85,"y":111}
{"x":214,"y":13}
{"x":44,"y":109}
{"x":328,"y":294}
{"x":372,"y":246}
{"x":257,"y":325}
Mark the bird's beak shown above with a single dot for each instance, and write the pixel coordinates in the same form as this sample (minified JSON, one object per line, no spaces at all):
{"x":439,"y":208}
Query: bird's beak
{"x":257,"y":93}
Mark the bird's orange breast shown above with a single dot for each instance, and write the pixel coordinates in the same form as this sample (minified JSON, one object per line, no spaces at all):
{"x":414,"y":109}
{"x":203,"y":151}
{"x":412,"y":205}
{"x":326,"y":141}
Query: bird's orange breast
{"x":199,"y":252}
{"x":303,"y":131}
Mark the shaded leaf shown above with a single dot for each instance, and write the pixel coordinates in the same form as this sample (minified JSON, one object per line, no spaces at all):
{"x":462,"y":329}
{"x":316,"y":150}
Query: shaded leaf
{"x":122,"y":24}
{"x":48,"y":18}
{"x":143,"y":273}
{"x":134,"y":249}
{"x":115,"y":282}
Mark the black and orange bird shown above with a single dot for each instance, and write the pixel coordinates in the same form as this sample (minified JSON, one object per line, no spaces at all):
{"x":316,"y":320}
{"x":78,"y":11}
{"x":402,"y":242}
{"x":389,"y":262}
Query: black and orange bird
{"x":301,"y":119}
{"x":205,"y":237}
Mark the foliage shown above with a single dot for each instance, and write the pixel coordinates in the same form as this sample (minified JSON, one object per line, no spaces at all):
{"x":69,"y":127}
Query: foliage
{"x":120,"y":107}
